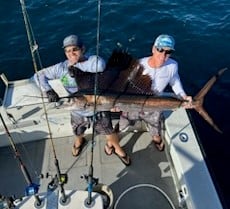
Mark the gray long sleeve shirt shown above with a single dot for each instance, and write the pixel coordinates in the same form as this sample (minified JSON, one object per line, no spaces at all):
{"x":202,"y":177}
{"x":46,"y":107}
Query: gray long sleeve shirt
{"x":60,"y":71}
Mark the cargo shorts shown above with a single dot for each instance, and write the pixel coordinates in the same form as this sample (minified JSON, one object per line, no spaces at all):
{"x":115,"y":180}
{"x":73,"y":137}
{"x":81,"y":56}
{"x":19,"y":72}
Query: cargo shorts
{"x":103,"y":123}
{"x":152,"y":120}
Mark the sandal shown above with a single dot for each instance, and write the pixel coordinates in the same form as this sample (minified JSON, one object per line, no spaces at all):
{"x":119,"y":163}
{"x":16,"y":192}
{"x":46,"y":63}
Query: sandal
{"x":125,"y":160}
{"x":159,"y":144}
{"x":76,"y":151}
{"x":109,"y":150}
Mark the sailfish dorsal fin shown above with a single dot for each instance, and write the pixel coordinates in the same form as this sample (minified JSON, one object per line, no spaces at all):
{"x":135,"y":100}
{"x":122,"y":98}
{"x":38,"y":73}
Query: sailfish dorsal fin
{"x":123,"y":74}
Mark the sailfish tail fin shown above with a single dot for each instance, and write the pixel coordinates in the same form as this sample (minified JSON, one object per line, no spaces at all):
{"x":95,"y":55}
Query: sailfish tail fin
{"x":207,"y":118}
{"x":199,"y":99}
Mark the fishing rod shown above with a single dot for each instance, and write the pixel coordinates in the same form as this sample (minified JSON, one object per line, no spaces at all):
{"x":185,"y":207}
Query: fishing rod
{"x":32,"y":188}
{"x":59,"y":178}
{"x":90,"y":179}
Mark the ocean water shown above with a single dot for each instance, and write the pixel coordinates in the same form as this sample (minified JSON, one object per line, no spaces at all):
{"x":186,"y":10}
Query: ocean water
{"x":201,"y":30}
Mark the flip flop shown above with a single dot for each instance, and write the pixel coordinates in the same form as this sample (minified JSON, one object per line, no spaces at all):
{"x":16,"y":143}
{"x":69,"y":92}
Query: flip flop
{"x":76,"y":151}
{"x":125,"y":159}
{"x":109,"y":150}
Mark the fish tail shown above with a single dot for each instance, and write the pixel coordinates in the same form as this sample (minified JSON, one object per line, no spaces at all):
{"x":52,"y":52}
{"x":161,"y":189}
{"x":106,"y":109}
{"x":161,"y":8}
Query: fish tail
{"x":207,"y":118}
{"x":199,"y":99}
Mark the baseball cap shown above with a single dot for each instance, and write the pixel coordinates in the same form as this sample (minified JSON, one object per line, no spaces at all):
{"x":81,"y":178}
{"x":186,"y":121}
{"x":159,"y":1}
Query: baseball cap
{"x":72,"y":40}
{"x":164,"y":40}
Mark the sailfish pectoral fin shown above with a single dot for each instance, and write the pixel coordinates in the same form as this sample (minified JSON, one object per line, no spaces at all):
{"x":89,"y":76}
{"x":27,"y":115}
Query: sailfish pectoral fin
{"x":207,"y":118}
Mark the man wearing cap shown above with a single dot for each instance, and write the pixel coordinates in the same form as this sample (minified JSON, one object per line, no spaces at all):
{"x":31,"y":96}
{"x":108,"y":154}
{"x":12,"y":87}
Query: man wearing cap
{"x":162,"y":70}
{"x":80,"y":119}
{"x":74,"y":51}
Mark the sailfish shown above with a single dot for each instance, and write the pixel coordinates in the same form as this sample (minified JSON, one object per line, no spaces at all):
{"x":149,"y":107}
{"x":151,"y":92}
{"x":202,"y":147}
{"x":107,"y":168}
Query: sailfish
{"x":122,"y":86}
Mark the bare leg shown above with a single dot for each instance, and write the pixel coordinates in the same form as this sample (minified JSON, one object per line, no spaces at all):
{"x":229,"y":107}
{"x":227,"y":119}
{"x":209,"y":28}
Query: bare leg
{"x":158,"y":142}
{"x":78,"y":140}
{"x":78,"y":145}
{"x":113,"y":141}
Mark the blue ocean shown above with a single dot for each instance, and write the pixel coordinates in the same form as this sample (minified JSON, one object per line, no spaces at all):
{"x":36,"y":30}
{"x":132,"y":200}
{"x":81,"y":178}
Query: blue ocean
{"x":201,"y":30}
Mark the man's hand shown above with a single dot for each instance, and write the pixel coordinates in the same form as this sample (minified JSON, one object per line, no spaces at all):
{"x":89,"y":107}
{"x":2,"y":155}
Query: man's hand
{"x":115,"y":109}
{"x":72,"y":71}
{"x":52,"y":96}
{"x":188,"y":103}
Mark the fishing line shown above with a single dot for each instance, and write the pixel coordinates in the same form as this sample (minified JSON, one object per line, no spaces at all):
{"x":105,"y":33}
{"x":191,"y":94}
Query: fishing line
{"x":34,"y":51}
{"x":14,"y":123}
{"x":27,"y":154}
{"x":31,"y":38}
{"x":33,"y":47}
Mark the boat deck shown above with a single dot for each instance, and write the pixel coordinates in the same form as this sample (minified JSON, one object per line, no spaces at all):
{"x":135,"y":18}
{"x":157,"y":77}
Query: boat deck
{"x":176,"y":177}
{"x":146,"y":183}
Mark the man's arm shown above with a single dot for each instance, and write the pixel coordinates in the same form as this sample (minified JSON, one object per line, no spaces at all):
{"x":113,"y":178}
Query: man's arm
{"x":92,"y":65}
{"x":42,"y":78}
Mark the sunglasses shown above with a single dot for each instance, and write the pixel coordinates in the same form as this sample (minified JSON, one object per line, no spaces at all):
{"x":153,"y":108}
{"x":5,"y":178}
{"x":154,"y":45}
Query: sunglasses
{"x":167,"y":52}
{"x":74,"y":49}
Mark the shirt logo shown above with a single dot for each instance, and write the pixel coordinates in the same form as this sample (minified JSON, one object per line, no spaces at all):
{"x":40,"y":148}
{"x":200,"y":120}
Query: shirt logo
{"x":68,"y":81}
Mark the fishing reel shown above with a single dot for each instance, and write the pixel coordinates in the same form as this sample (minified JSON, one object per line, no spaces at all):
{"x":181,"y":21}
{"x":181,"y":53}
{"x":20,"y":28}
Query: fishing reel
{"x":86,"y":177}
{"x":55,"y":181}
{"x":7,"y":202}
{"x":102,"y":189}
{"x":32,"y":189}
